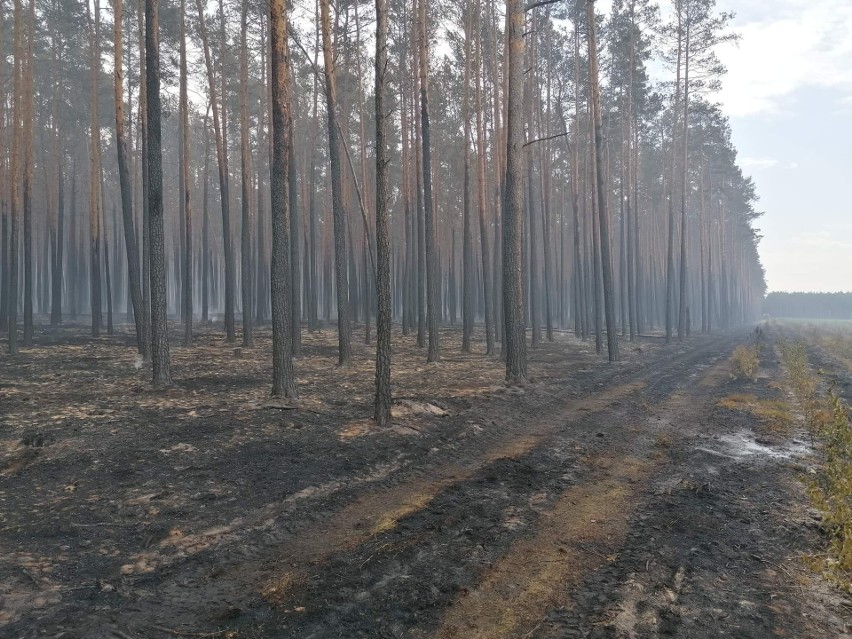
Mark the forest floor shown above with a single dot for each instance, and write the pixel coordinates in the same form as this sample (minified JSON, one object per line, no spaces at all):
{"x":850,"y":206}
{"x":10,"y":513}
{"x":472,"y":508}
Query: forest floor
{"x":655,"y":497}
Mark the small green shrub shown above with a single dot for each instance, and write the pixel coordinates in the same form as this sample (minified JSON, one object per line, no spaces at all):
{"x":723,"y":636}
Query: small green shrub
{"x":831,"y":488}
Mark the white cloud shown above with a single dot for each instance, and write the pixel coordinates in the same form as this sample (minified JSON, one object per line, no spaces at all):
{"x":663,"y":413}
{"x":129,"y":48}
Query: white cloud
{"x":757,"y":163}
{"x":786,"y":46}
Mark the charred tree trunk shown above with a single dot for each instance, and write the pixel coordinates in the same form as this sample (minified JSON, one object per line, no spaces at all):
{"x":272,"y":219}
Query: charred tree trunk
{"x":184,"y":185}
{"x":433,"y":308}
{"x":606,"y":258}
{"x":28,"y":175}
{"x":485,"y":251}
{"x":159,"y":320}
{"x":130,"y":242}
{"x":382,"y":411}
{"x":245,"y":172}
{"x":295,"y":266}
{"x":513,"y":296}
{"x":224,"y":190}
{"x":283,"y":382}
{"x":94,"y":174}
{"x":14,"y":176}
{"x":344,"y":330}
{"x":467,"y":234}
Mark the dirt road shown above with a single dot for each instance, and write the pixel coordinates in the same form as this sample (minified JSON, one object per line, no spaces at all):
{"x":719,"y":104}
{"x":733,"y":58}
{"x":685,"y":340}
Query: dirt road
{"x":628,"y":500}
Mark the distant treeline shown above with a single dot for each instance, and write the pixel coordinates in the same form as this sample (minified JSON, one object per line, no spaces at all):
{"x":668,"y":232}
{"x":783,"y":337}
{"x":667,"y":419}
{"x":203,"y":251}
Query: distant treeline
{"x":809,"y":305}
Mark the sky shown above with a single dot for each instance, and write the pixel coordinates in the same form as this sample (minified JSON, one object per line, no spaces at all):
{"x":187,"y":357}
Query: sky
{"x":788,"y":93}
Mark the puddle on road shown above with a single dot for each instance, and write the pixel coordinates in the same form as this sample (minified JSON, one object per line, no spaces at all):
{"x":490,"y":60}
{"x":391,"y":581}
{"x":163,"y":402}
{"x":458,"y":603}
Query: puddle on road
{"x":743,"y":445}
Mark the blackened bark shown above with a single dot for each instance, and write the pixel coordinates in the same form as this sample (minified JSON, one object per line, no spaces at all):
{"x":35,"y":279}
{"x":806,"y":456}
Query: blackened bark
{"x":159,"y":321}
{"x":344,"y":331}
{"x":467,"y":234}
{"x":14,"y":173}
{"x":186,"y":209}
{"x":295,"y":234}
{"x":603,"y":215}
{"x":28,"y":176}
{"x":283,"y":382}
{"x":130,"y":243}
{"x":224,"y":189}
{"x":513,"y":296}
{"x":245,"y":171}
{"x":382,"y":412}
{"x":433,"y":304}
{"x":483,"y":224}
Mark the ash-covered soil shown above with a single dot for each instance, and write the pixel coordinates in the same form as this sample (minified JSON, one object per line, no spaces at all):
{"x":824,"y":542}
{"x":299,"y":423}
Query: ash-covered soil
{"x":653,"y":497}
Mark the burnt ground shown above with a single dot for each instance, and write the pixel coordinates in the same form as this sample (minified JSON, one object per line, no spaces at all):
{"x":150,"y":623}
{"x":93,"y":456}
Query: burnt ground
{"x":653,"y":497}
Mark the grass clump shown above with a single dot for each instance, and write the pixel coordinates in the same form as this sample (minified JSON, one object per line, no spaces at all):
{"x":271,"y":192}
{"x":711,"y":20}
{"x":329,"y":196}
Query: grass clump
{"x":745,"y":362}
{"x":774,"y":414}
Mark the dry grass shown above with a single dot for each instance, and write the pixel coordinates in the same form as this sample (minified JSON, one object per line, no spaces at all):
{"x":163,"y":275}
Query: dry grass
{"x":831,"y":488}
{"x":278,"y":590}
{"x":745,"y":362}
{"x":774,"y":414}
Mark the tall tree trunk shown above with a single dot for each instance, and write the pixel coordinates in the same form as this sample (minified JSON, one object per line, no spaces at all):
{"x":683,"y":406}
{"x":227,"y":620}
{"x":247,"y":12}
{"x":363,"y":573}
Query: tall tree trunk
{"x":467,"y":234}
{"x":295,"y":265}
{"x":186,"y":218}
{"x":108,"y":276}
{"x":545,"y":174}
{"x":344,"y":330}
{"x":421,"y":233}
{"x":146,"y":227}
{"x":283,"y":382}
{"x":14,"y":176}
{"x":5,"y":182}
{"x":433,"y":308}
{"x":485,"y":250}
{"x":683,"y":310}
{"x":224,"y":190}
{"x":94,"y":173}
{"x":261,"y":267}
{"x":409,"y":283}
{"x":57,"y":248}
{"x":245,"y":172}
{"x":513,"y":296}
{"x":670,"y":270}
{"x":581,"y":297}
{"x":28,"y":176}
{"x":313,"y":301}
{"x":382,"y":411}
{"x":130,"y":244}
{"x":74,"y":255}
{"x":606,"y":258}
{"x":205,"y":228}
{"x":159,"y":320}
{"x":632,"y":195}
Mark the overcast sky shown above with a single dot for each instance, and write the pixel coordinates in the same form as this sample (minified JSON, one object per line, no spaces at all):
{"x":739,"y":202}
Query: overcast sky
{"x":788,"y":92}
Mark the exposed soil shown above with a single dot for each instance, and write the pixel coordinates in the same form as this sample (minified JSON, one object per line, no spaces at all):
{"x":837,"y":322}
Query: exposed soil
{"x":653,"y":497}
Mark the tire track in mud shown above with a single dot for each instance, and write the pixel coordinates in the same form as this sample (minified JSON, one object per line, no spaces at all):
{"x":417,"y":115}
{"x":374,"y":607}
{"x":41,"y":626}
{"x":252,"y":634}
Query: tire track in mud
{"x":582,"y":532}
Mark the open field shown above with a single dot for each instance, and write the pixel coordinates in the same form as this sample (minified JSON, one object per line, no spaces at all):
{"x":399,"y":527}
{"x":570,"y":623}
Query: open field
{"x":659,"y":496}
